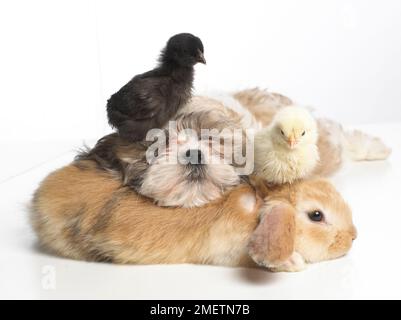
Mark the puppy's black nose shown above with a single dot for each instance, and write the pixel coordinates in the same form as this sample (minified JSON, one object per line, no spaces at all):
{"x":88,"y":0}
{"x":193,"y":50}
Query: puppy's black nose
{"x":194,"y":156}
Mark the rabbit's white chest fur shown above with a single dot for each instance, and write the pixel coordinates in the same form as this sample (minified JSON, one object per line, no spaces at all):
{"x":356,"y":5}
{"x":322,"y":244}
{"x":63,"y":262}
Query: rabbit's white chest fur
{"x":281,"y":165}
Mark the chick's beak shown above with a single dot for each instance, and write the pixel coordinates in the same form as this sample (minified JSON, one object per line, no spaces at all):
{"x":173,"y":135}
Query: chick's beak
{"x":201,"y":57}
{"x":292,"y":142}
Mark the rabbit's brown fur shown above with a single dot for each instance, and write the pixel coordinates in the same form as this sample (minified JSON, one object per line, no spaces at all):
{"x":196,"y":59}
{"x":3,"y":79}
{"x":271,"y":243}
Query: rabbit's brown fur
{"x":85,"y":213}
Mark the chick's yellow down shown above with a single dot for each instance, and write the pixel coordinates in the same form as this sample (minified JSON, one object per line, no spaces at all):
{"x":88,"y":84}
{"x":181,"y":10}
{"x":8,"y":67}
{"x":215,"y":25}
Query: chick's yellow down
{"x":286,"y":150}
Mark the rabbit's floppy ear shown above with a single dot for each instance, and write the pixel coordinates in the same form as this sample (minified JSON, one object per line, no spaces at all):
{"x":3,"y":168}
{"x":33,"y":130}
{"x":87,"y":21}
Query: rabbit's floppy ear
{"x":273,"y":240}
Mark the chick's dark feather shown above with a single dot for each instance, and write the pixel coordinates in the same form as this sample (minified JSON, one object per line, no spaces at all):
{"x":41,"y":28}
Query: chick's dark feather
{"x":150,"y":99}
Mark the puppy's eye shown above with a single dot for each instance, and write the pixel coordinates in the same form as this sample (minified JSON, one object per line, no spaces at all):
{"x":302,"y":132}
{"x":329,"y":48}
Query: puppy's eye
{"x":303,"y":133}
{"x":282,"y":132}
{"x":316,"y":216}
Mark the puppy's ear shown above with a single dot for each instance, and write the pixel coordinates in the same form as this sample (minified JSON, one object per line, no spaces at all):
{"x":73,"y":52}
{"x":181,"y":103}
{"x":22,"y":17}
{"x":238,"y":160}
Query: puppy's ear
{"x":133,"y":174}
{"x":272,"y":242}
{"x":133,"y":163}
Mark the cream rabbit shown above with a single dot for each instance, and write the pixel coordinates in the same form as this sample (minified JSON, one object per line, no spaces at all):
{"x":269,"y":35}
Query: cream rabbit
{"x":81,"y":212}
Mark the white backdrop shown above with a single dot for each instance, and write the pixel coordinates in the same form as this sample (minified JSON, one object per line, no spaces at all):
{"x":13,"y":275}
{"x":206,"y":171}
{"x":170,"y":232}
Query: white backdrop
{"x":61,"y":60}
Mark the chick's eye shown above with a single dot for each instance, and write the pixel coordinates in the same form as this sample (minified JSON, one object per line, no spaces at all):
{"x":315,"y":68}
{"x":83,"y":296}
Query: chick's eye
{"x":303,"y":133}
{"x":316,"y":216}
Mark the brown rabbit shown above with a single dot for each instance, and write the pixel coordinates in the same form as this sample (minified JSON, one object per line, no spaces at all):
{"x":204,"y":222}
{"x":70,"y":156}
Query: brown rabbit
{"x":82,"y":212}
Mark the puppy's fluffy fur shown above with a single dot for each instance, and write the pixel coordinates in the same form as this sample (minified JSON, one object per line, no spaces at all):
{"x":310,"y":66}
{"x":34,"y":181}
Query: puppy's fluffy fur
{"x":169,"y":182}
{"x":82,"y":212}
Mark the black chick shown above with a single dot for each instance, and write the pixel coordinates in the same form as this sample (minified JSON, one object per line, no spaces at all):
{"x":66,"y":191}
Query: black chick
{"x":151,"y":99}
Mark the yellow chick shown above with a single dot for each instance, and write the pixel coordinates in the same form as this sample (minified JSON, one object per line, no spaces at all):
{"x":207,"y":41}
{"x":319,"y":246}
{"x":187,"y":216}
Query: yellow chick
{"x":286,"y":150}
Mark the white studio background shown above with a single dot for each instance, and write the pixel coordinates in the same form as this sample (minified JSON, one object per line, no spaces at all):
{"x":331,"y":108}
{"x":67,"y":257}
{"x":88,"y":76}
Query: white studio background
{"x":61,"y":60}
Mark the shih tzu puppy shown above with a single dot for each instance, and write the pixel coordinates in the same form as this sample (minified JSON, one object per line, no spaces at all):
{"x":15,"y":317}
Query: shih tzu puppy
{"x":194,"y":161}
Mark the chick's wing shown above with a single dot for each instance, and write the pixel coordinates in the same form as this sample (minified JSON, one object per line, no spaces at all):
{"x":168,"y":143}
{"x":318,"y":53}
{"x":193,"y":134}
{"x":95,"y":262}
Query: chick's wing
{"x":149,"y":97}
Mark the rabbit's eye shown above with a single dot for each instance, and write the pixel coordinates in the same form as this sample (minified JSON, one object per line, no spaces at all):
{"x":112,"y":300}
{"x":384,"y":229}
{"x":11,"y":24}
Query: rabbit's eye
{"x":316,"y":216}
